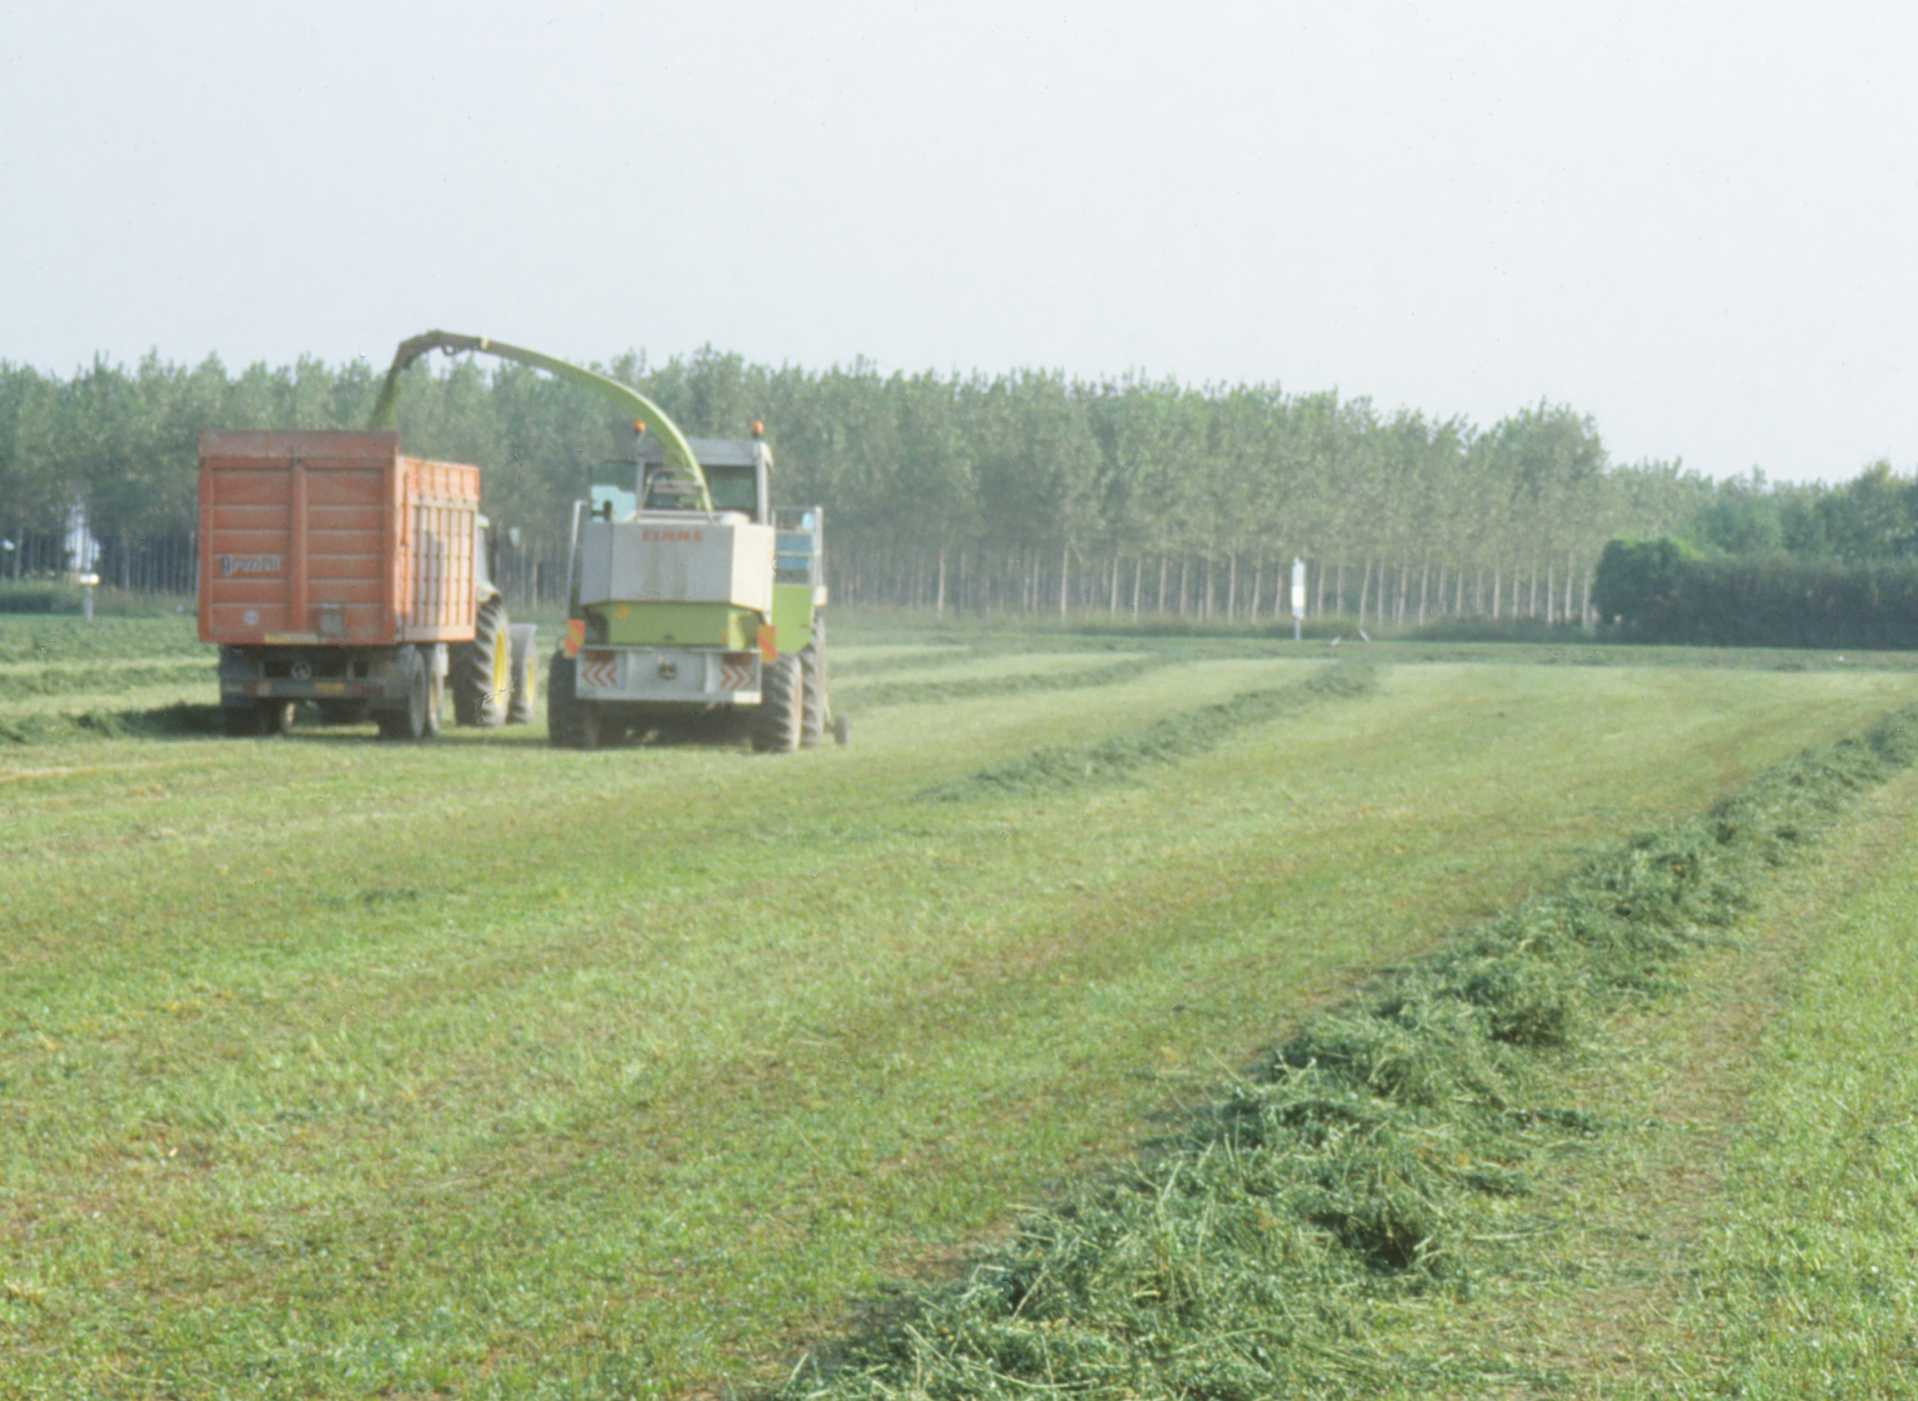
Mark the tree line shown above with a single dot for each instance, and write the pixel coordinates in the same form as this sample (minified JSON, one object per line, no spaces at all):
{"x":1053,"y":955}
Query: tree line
{"x":1023,"y":491}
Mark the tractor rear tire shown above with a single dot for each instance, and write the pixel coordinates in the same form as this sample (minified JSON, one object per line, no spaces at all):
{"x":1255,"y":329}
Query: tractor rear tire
{"x":776,"y":724}
{"x":482,"y":668}
{"x":525,"y":663}
{"x":565,"y":716}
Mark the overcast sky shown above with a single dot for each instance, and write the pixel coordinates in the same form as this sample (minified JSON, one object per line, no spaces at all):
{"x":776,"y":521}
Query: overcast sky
{"x":1694,"y":222}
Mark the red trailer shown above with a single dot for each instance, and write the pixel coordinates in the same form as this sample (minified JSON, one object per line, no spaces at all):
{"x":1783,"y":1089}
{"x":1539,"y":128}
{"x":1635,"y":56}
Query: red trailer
{"x":334,"y":569}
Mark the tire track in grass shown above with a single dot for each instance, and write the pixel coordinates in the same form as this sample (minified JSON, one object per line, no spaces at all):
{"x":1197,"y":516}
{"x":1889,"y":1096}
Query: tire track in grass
{"x":1058,"y":768}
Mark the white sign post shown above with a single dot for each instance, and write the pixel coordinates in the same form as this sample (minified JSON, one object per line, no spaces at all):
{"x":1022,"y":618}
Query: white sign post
{"x":1298,"y":599}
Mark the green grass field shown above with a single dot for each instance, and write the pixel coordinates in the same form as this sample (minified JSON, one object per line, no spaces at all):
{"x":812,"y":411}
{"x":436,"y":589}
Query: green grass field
{"x":330,"y":1067}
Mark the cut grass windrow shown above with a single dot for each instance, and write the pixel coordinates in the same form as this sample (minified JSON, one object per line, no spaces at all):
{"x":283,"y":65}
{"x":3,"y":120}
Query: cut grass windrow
{"x":1381,"y":1154}
{"x":101,"y":676}
{"x":181,"y":720}
{"x":876,"y":695}
{"x":1059,"y":768}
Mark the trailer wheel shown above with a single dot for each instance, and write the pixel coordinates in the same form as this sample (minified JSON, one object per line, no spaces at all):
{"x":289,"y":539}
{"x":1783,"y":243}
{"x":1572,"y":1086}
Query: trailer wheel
{"x":276,"y":716}
{"x":525,"y":661}
{"x":777,"y":722}
{"x":565,"y":724}
{"x":409,"y":721}
{"x":435,"y":705}
{"x":482,"y":668}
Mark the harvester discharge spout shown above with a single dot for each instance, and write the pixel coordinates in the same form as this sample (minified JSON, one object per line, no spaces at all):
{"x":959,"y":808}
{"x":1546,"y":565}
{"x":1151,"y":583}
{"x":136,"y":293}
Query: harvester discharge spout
{"x":675,"y":450}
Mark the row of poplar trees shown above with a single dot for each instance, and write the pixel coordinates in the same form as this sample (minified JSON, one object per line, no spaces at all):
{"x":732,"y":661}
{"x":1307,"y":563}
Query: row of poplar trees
{"x":1027,"y":491}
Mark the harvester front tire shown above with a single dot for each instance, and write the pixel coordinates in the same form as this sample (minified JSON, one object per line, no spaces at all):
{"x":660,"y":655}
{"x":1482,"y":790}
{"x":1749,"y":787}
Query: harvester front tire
{"x":776,"y":724}
{"x":565,"y":720}
{"x":482,"y":668}
{"x":525,"y":662}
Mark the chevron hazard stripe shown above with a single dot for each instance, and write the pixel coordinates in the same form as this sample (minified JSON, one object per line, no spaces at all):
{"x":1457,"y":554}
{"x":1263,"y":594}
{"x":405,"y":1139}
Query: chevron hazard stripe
{"x":599,"y":670}
{"x":736,"y":676}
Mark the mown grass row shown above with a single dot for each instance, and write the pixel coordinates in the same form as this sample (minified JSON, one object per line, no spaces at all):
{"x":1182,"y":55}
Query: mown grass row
{"x":180,"y":720}
{"x":32,"y":640}
{"x":1060,"y":768}
{"x":877,"y":695}
{"x":1381,"y":1154}
{"x":96,"y":677}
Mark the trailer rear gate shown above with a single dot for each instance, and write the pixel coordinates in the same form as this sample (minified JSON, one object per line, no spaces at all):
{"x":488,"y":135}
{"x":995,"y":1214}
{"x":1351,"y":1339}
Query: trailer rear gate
{"x":333,"y":538}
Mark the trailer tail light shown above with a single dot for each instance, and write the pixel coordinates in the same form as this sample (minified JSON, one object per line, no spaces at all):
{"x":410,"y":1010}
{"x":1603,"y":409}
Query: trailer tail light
{"x":575,"y":636}
{"x":768,"y":642}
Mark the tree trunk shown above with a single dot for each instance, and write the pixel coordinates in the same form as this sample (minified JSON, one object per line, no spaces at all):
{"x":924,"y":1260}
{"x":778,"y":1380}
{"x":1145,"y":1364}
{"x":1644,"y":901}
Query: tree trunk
{"x":1365,"y":590}
{"x":1158,"y":601}
{"x":1258,"y":587}
{"x":1065,"y":569}
{"x":1497,"y":582}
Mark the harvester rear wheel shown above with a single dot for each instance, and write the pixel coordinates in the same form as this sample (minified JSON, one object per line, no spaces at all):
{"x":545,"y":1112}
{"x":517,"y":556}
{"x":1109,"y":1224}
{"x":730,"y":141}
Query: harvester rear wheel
{"x":482,"y":668}
{"x":815,"y":706}
{"x":776,"y":723}
{"x":525,"y":662}
{"x":565,"y":718}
